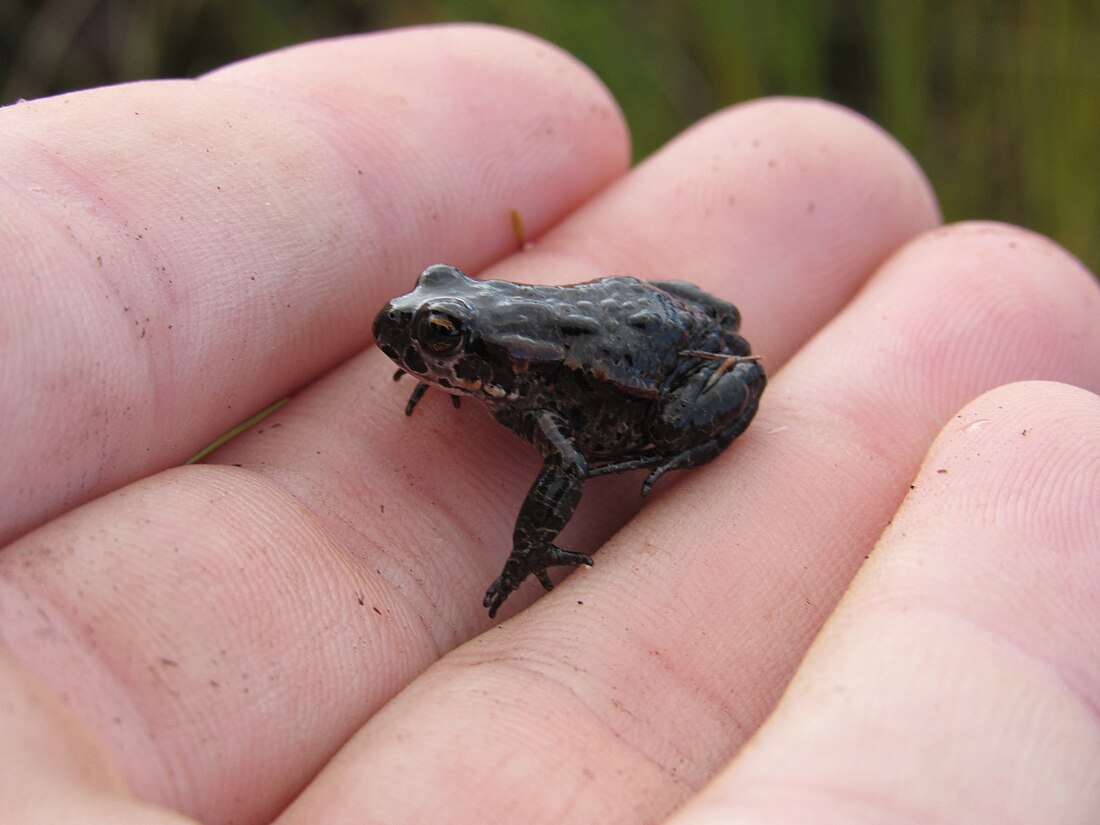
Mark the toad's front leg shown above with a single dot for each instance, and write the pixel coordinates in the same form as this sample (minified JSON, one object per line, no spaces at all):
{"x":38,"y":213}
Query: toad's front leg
{"x":546,"y":510}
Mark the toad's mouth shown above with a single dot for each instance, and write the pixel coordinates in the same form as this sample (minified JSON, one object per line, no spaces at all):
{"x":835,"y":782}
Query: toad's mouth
{"x":452,"y":383}
{"x":467,"y":384}
{"x":471,"y":386}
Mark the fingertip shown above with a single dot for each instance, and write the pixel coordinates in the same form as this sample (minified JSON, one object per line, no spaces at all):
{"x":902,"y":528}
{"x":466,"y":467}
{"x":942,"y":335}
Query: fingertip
{"x":490,"y":71}
{"x":1011,"y":282}
{"x":799,"y":135}
{"x":1024,"y":456}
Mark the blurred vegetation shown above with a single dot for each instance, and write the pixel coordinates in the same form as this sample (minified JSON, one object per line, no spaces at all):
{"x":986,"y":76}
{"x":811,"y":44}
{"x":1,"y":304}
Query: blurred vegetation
{"x":999,"y":101}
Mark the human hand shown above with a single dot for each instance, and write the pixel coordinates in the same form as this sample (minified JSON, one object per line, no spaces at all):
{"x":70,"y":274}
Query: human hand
{"x":303,"y":610}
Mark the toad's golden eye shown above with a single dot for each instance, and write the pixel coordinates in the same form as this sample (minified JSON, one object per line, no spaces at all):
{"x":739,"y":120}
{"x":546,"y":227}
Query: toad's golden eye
{"x":440,"y":333}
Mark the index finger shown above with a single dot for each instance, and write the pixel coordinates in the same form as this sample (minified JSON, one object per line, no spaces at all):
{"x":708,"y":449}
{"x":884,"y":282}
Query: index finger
{"x":176,"y":255}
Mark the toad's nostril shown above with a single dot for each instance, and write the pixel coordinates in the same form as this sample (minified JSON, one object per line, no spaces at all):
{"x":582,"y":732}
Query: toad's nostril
{"x":387,"y":317}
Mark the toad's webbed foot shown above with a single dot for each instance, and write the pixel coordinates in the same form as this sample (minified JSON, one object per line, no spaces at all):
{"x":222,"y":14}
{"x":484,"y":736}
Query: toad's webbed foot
{"x":519,"y":566}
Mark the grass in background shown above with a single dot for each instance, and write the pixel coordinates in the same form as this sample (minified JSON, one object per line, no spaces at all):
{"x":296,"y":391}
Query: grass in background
{"x":998,"y":101}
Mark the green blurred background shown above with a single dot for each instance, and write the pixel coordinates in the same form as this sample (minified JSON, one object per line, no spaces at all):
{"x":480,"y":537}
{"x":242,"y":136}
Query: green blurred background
{"x":999,"y":101}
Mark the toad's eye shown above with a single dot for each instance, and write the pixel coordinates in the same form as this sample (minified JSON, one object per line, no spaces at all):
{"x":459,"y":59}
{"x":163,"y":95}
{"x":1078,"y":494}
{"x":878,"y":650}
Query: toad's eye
{"x":439,"y":333}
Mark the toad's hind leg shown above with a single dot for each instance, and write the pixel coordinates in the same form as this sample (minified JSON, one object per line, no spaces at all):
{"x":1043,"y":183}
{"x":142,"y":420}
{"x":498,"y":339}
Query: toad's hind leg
{"x":702,"y":453}
{"x":726,"y":398}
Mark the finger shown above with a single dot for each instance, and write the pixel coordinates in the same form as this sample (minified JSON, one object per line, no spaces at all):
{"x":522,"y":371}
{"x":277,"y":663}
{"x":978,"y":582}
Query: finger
{"x":784,"y":207}
{"x":178,"y":255}
{"x":330,"y":187}
{"x":339,"y":562}
{"x":958,"y":679}
{"x":673,"y":648}
{"x":51,"y":769}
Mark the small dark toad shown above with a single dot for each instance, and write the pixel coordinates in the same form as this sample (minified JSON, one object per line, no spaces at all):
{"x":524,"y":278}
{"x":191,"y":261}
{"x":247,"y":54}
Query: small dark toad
{"x":601,"y":377}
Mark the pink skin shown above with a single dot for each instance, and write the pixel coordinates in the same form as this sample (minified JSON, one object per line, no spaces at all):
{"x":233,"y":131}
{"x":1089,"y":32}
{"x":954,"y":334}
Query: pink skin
{"x":294,"y":629}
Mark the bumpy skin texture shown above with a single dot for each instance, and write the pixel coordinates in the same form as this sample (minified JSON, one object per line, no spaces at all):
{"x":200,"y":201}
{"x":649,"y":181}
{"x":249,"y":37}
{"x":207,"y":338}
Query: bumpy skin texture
{"x":601,"y":377}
